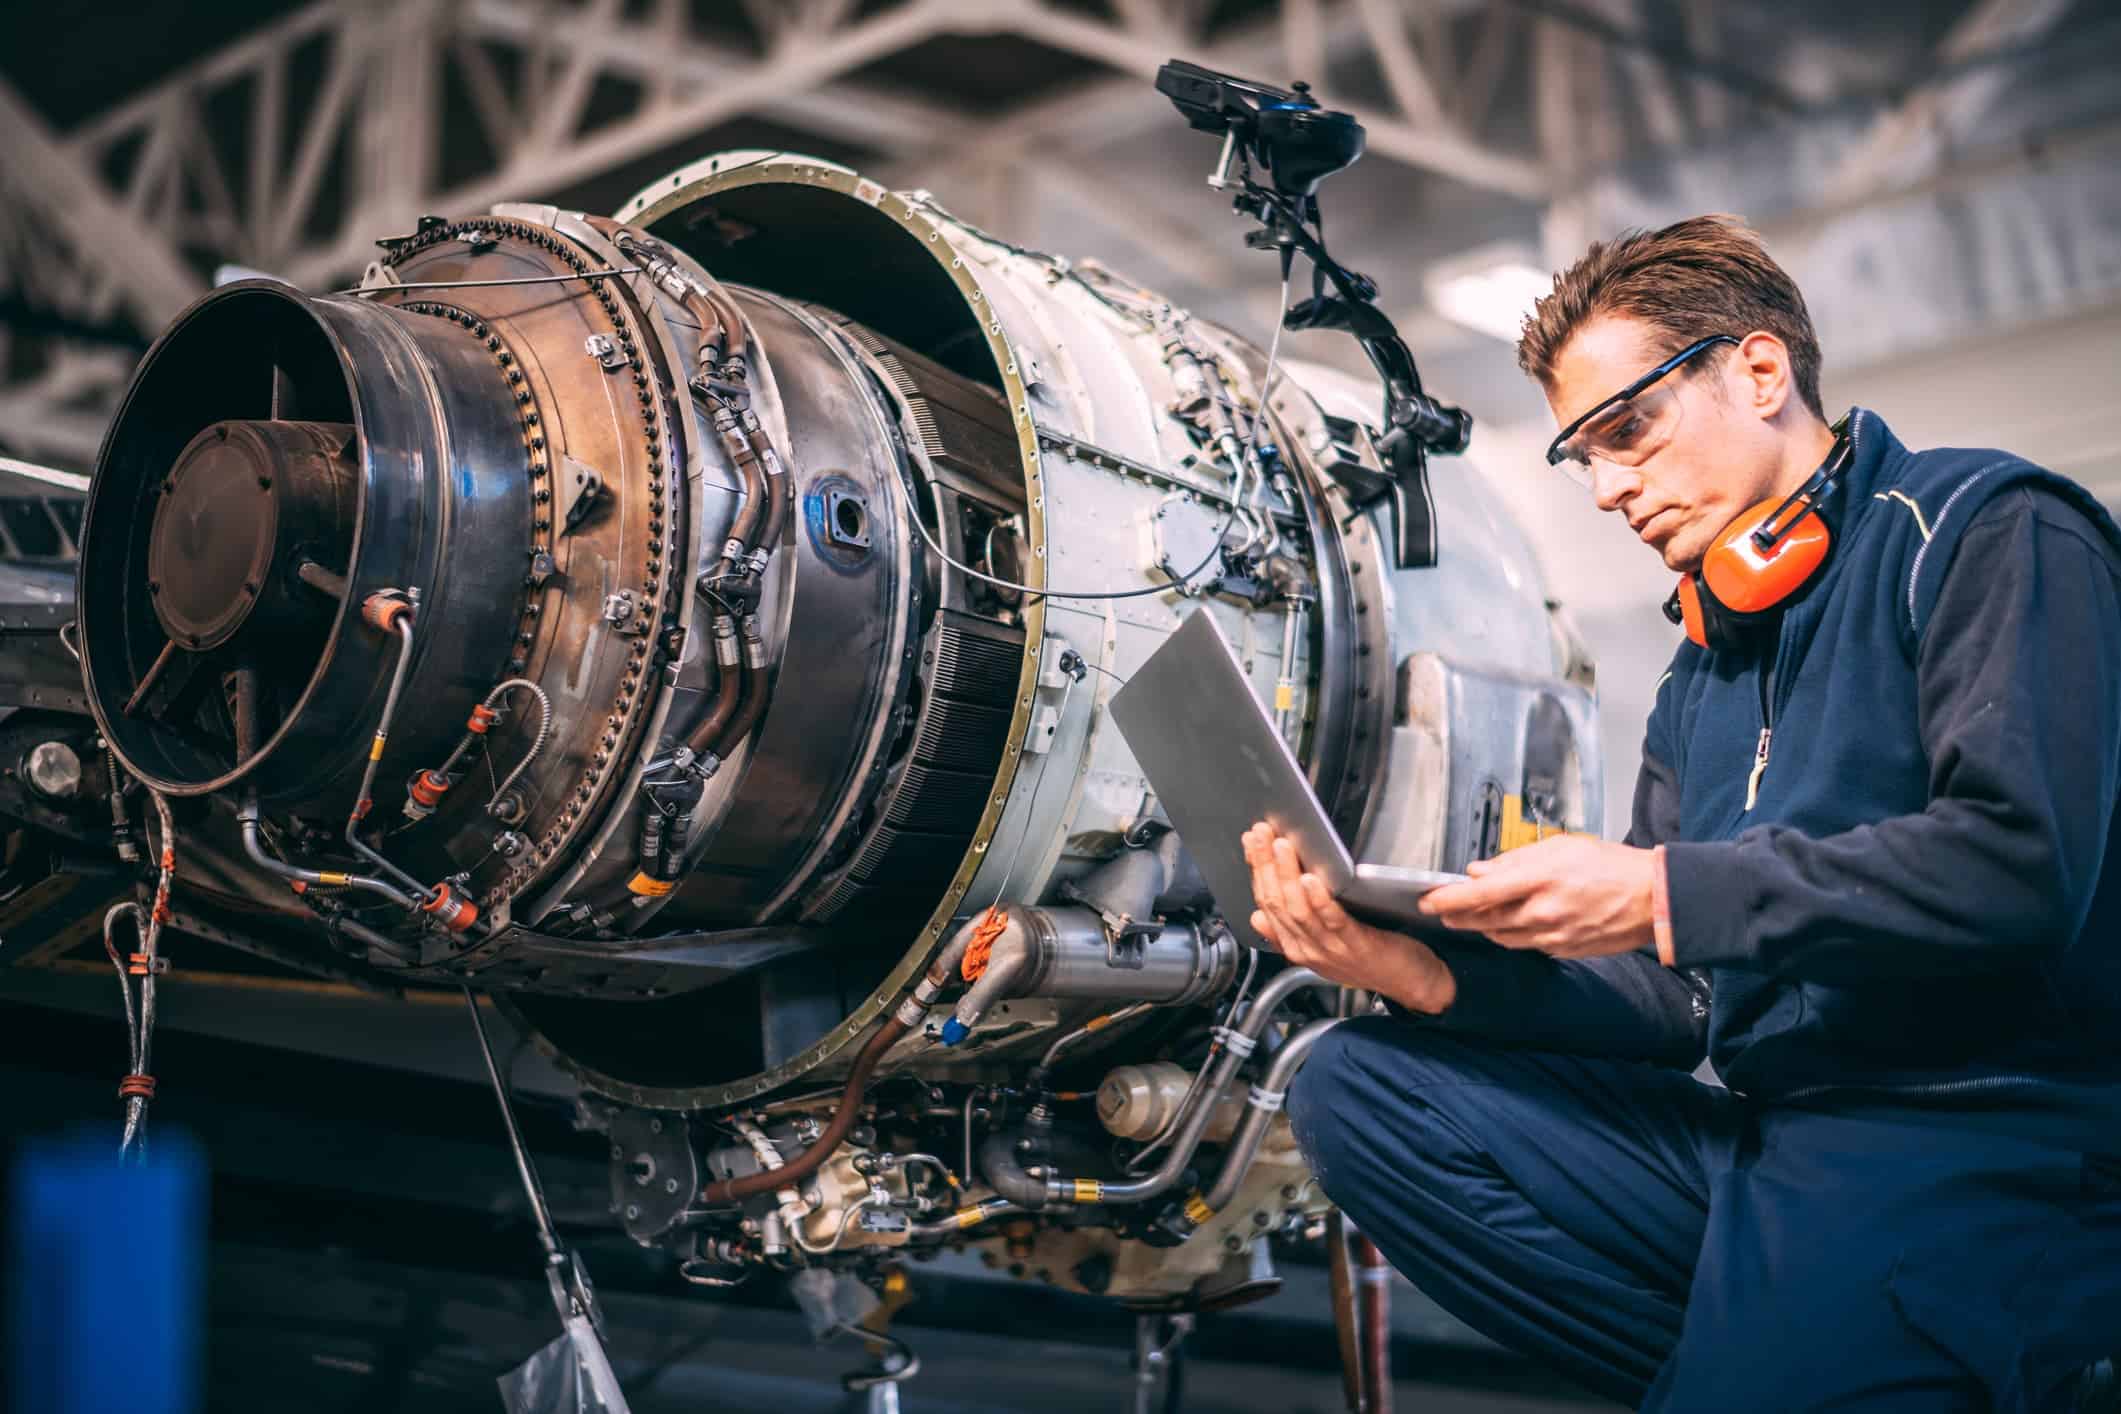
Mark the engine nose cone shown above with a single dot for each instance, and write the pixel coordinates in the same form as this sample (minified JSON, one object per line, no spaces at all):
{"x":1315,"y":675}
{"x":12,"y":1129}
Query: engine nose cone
{"x":214,"y":534}
{"x":230,"y":524}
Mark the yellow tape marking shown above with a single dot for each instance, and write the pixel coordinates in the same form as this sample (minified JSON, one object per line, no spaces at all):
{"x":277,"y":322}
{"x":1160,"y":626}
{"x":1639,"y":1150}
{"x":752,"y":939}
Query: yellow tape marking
{"x":334,"y":879}
{"x":1198,"y":1210}
{"x":1089,"y":1190}
{"x":650,"y":888}
{"x":1520,"y":829}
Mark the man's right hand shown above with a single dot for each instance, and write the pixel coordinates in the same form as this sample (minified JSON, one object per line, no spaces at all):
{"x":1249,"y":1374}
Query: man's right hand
{"x":1299,"y":915}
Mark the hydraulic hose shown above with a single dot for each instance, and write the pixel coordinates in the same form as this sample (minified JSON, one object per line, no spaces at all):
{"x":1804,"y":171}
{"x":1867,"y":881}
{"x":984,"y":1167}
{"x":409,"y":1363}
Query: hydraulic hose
{"x":909,"y":1015}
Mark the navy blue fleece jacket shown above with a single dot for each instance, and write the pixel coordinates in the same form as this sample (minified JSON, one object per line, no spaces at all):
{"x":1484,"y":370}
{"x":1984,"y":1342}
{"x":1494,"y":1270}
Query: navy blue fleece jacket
{"x":1923,"y":897}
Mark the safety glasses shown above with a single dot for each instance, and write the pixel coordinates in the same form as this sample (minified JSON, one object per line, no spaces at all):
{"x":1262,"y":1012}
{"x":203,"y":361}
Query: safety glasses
{"x":1633,"y":424}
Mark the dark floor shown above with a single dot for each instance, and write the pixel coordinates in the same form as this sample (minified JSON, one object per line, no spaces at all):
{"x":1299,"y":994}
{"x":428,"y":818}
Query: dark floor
{"x":370,"y":1250}
{"x":329,"y":1333}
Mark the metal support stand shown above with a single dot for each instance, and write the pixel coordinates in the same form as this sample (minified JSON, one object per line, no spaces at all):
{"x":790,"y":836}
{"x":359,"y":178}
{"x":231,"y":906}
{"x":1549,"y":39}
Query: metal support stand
{"x":1373,"y":1300}
{"x":572,"y":1296}
{"x":1346,"y":1321}
{"x":1156,"y":1362}
{"x":1362,"y":1316}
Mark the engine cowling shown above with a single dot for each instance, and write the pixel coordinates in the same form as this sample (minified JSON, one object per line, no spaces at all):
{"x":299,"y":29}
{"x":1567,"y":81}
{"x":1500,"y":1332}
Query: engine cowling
{"x":683,"y":625}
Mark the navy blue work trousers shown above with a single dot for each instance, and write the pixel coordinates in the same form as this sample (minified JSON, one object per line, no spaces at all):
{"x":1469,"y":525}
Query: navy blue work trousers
{"x":1675,"y":1247}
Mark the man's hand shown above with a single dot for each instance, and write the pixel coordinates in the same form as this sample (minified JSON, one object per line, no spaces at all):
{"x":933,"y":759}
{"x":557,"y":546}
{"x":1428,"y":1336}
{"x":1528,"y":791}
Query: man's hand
{"x":1299,"y":916}
{"x":1569,"y":896}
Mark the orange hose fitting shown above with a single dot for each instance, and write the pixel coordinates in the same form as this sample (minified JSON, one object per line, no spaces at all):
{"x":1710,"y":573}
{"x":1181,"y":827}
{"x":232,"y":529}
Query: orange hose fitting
{"x":382,"y":611}
{"x":428,"y":788}
{"x":137,"y":1087}
{"x":482,"y":717}
{"x":455,"y":911}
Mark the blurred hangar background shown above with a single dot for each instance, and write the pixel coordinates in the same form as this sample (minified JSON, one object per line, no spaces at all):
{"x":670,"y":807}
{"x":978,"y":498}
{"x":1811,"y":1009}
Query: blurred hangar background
{"x":1942,"y":176}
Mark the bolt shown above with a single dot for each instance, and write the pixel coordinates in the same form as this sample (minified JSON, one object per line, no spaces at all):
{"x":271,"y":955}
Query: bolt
{"x":633,"y":1210}
{"x":670,"y":1185}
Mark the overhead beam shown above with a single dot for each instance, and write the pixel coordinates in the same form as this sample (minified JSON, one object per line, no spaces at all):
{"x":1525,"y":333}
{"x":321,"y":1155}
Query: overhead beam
{"x":72,"y":197}
{"x":1113,"y":109}
{"x":1404,"y":75}
{"x":868,"y":114}
{"x":802,"y":62}
{"x":1896,"y":141}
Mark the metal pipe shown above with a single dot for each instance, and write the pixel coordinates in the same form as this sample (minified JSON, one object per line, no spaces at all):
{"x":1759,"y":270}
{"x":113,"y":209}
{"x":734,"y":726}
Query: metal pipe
{"x":970,"y":1215}
{"x":401,"y":624}
{"x":1238,"y":1044}
{"x":247,"y":818}
{"x":1081,"y":1034}
{"x":998,"y":1165}
{"x":1264,"y":1103}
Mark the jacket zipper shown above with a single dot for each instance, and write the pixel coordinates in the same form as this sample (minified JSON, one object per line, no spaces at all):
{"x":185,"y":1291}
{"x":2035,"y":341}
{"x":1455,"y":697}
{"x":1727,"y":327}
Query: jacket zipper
{"x":1767,"y":723}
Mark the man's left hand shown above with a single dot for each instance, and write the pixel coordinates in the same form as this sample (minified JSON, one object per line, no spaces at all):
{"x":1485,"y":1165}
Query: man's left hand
{"x":1570,"y":896}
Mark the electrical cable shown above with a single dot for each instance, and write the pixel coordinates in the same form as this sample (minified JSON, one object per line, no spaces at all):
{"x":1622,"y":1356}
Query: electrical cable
{"x":138,"y":1086}
{"x":480,"y":284}
{"x":1179,"y":582}
{"x":536,"y":743}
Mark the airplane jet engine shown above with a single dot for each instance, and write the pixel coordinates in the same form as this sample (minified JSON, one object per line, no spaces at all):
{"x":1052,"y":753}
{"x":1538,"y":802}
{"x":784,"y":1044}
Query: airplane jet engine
{"x":695,"y":628}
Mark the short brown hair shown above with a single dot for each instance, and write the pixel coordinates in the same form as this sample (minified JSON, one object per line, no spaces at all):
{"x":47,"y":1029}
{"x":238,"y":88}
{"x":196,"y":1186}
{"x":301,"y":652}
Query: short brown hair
{"x":1707,"y":275}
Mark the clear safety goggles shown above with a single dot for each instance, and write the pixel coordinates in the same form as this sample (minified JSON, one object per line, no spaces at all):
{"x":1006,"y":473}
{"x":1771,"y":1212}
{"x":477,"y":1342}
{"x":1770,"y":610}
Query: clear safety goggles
{"x":1632,"y":425}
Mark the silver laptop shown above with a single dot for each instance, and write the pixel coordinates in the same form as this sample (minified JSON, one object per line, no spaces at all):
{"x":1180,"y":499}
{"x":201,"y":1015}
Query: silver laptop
{"x":1218,"y":765}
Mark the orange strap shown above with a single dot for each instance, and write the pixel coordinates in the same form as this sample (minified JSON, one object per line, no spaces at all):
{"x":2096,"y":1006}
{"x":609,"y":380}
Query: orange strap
{"x":991,"y":925}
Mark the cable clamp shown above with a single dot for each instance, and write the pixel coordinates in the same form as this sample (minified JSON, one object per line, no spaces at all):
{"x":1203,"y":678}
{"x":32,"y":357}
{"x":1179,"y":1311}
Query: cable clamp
{"x":139,"y":964}
{"x":137,"y":1087}
{"x":1264,"y":1099}
{"x":1236,"y":1042}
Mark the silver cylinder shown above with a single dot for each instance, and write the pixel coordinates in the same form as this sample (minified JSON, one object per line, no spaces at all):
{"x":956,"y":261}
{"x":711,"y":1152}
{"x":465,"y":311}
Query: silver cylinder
{"x":1070,"y":957}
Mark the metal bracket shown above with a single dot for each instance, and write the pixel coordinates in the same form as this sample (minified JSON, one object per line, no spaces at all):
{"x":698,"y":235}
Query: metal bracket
{"x":1126,"y":951}
{"x":580,"y":490}
{"x":604,"y":351}
{"x":622,"y":611}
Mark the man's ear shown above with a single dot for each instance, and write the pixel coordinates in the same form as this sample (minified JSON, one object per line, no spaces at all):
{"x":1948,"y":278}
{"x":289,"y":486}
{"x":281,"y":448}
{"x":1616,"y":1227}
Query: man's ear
{"x":1761,"y":367}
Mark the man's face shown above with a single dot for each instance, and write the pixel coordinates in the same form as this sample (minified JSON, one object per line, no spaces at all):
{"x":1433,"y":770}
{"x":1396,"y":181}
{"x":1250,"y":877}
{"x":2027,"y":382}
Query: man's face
{"x":1712,"y":459}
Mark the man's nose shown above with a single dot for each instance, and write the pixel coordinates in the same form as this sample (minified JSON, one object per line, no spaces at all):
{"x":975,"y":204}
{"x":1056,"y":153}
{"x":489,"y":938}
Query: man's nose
{"x":1610,"y":484}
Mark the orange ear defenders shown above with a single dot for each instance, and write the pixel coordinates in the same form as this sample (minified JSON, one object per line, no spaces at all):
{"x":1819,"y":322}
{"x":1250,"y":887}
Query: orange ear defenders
{"x":1761,"y":561}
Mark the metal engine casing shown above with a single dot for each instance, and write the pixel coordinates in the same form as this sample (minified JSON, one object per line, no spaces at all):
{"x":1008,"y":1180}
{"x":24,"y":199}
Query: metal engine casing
{"x":529,"y":459}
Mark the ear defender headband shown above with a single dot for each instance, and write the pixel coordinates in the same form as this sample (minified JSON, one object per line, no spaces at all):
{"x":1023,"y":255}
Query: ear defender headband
{"x":1761,"y":561}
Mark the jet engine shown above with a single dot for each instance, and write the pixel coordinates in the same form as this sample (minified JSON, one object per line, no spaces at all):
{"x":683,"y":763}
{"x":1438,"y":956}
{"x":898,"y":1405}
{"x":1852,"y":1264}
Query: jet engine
{"x":694,"y":628}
